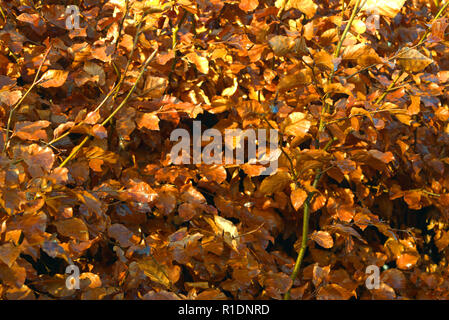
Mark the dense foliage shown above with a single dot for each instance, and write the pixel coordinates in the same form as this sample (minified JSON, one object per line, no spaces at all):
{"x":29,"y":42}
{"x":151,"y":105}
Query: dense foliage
{"x":357,"y":90}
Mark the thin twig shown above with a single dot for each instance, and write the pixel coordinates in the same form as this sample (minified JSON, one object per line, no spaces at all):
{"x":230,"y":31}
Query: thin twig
{"x":11,"y":112}
{"x":123,"y":103}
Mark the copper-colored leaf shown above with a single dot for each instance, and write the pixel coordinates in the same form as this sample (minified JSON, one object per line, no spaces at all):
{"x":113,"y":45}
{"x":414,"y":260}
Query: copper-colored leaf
{"x":298,"y":197}
{"x":74,"y":228}
{"x":53,"y":78}
{"x":149,"y":121}
{"x":248,"y":5}
{"x":31,"y":130}
{"x":323,"y":238}
{"x":411,"y":60}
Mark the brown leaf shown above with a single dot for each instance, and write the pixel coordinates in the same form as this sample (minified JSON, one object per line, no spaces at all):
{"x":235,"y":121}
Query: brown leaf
{"x":27,"y":130}
{"x":298,"y":197}
{"x":155,"y":271}
{"x":248,"y":5}
{"x":10,"y":97}
{"x":39,"y":160}
{"x":407,"y":261}
{"x":53,"y":78}
{"x":443,"y":241}
{"x":277,"y":284}
{"x":149,"y":121}
{"x":411,"y":60}
{"x":306,"y":6}
{"x":74,"y":228}
{"x":201,"y":63}
{"x":389,"y":8}
{"x":290,"y":81}
{"x":122,"y":234}
{"x":296,"y":124}
{"x":274,"y":183}
{"x":333,"y":292}
{"x":323,"y":238}
{"x":9,"y":253}
{"x":385,"y":157}
{"x":394,"y":278}
{"x":283,"y":45}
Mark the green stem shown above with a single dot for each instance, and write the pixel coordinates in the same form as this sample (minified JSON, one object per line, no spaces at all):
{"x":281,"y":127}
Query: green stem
{"x":392,"y":84}
{"x":305,"y":225}
{"x":348,"y":26}
{"x":326,"y":105}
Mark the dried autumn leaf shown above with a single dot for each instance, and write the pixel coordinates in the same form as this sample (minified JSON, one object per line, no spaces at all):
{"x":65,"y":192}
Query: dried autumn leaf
{"x":140,"y":192}
{"x":324,"y":60}
{"x":155,"y":86}
{"x":298,"y":197}
{"x":384,"y":292}
{"x":99,"y":131}
{"x":385,"y":157}
{"x":283,"y":45}
{"x":95,"y":71}
{"x":39,"y":160}
{"x":13,"y":276}
{"x":122,"y":234}
{"x":323,"y":238}
{"x":394,"y":278}
{"x":388,"y":8}
{"x":275,"y":182}
{"x":6,"y":83}
{"x":296,"y":124}
{"x":248,"y":5}
{"x":413,"y":199}
{"x":411,"y":60}
{"x":10,"y":97}
{"x":414,"y":106}
{"x":306,"y":6}
{"x":407,"y":261}
{"x":443,"y":241}
{"x":92,"y":117}
{"x":337,"y":88}
{"x":320,"y":275}
{"x":9,"y":253}
{"x":53,"y":78}
{"x":225,"y":229}
{"x":363,"y":54}
{"x":439,"y":27}
{"x":74,"y":228}
{"x":277,"y":284}
{"x":201,"y":63}
{"x":227,"y":92}
{"x":359,"y":26}
{"x":149,"y":121}
{"x":35,"y":20}
{"x":290,"y":81}
{"x":27,"y":130}
{"x":333,"y":291}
